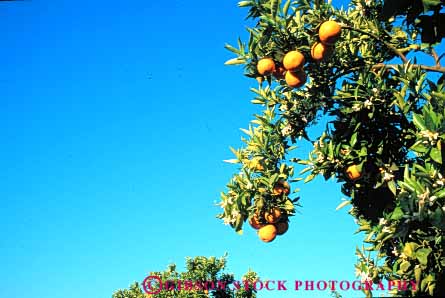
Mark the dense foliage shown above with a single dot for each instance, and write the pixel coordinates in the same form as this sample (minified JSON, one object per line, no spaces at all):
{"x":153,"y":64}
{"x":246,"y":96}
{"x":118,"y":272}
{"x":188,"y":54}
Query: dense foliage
{"x":207,"y":278}
{"x":382,"y":89}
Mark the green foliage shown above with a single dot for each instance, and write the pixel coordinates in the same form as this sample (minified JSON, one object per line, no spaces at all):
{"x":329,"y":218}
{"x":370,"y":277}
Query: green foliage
{"x":425,"y":16}
{"x":387,"y":120}
{"x":198,"y":270}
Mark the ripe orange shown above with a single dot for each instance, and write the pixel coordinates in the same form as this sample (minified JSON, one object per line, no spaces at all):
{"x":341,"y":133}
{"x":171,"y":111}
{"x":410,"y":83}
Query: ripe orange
{"x":266,"y":66}
{"x":320,"y":52}
{"x":254,"y":222}
{"x":293,"y":60}
{"x":295,"y":80}
{"x":353,"y":172}
{"x":273,"y":215}
{"x":267,"y":233}
{"x":282,"y":227}
{"x":329,"y":32}
{"x":280,"y":187}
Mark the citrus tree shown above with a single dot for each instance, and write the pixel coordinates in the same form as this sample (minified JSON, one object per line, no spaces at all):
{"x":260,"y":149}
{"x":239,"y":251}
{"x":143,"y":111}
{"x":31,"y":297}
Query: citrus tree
{"x":374,"y":71}
{"x":204,"y":277}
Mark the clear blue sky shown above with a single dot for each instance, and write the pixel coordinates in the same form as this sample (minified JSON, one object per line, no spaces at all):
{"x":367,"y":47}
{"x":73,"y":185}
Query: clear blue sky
{"x":115,"y":118}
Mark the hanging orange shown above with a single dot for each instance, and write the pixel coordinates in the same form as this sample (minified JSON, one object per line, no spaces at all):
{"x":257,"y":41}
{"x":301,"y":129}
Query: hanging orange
{"x":329,"y":32}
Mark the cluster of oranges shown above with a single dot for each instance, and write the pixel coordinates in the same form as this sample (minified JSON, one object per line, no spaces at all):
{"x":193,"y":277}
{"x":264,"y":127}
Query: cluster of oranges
{"x":291,"y":68}
{"x":274,"y":221}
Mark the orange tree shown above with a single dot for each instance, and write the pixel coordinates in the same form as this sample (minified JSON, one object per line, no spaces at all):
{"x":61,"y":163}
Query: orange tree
{"x":374,"y":70}
{"x":207,"y":278}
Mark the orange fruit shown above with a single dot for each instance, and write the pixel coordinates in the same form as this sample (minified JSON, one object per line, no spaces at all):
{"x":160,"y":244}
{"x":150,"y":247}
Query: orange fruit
{"x":320,"y":52}
{"x":329,"y":32}
{"x":280,"y":187}
{"x":353,"y":172}
{"x":293,"y":60}
{"x":267,"y":233}
{"x":295,"y":80}
{"x":282,"y":227}
{"x":266,"y":66}
{"x":273,"y":215}
{"x":254,"y":222}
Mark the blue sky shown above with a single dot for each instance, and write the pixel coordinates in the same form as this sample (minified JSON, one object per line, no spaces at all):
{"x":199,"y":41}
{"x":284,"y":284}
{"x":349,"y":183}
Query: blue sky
{"x":115,"y":118}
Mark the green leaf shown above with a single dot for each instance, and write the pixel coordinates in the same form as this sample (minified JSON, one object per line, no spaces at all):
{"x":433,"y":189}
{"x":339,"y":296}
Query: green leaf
{"x":288,"y":206}
{"x":409,"y":249}
{"x":430,"y":4}
{"x":331,"y":149}
{"x":422,"y":255}
{"x":232,"y":49}
{"x":247,"y":132}
{"x":440,"y":194}
{"x":392,"y":187}
{"x":235,"y":61}
{"x":406,"y":172}
{"x":417,"y":274}
{"x":305,"y":170}
{"x":419,"y":147}
{"x":407,"y":186}
{"x":405,"y":266}
{"x":244,"y":3}
{"x":234,"y":151}
{"x":309,"y":178}
{"x":343,"y":204}
{"x":397,"y":214}
{"x":244,"y":200}
{"x":231,"y":161}
{"x":274,"y":8}
{"x":436,"y":155}
{"x":440,"y":95}
{"x":353,"y":139}
{"x":239,"y":223}
{"x":286,"y":7}
{"x":419,"y":122}
{"x":256,"y":101}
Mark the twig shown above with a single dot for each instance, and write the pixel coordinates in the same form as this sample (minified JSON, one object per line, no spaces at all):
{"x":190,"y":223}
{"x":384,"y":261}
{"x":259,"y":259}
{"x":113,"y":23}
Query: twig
{"x":441,"y":56}
{"x":436,"y":58}
{"x":389,"y":46}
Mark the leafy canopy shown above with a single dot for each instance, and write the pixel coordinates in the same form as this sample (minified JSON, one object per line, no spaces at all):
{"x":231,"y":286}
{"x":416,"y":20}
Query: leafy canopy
{"x":382,"y":90}
{"x":199,"y":270}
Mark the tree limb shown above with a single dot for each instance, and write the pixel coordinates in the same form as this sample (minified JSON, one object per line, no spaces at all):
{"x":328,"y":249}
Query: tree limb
{"x":421,"y":66}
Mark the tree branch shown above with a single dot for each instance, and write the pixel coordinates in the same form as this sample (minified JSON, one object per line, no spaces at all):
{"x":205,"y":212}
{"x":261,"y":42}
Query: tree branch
{"x":424,"y":67}
{"x":388,"y":45}
{"x":340,"y":74}
{"x":436,"y":57}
